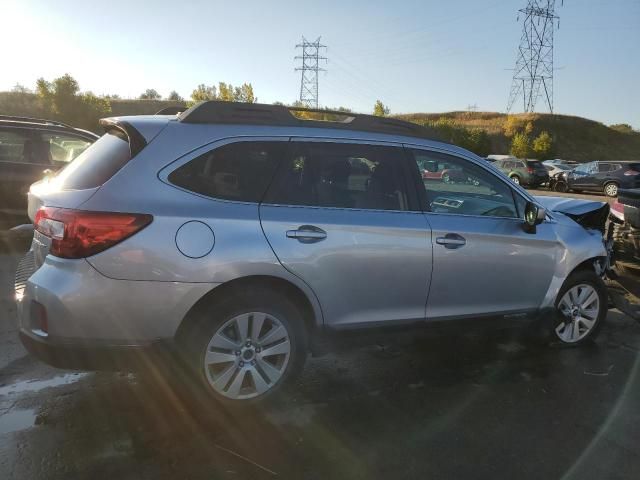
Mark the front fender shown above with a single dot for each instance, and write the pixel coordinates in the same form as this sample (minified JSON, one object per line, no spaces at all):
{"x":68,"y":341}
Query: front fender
{"x":577,"y":245}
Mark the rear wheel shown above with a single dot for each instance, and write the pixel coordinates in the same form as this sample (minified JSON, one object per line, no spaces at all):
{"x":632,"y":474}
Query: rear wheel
{"x":582,"y":308}
{"x":446,"y":178}
{"x":515,"y":179}
{"x":611,"y":189}
{"x":245,"y":348}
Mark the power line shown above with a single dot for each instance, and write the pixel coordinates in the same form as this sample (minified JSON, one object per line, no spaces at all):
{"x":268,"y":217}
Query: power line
{"x":310,"y":67}
{"x":533,"y":75}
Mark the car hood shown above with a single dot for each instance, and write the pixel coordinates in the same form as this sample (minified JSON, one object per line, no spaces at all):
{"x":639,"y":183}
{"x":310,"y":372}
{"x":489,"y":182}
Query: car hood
{"x":588,"y":213}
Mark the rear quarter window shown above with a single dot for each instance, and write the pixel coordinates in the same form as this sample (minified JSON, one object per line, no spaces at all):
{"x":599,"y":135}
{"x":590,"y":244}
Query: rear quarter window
{"x":239,"y":171}
{"x":97,"y":164}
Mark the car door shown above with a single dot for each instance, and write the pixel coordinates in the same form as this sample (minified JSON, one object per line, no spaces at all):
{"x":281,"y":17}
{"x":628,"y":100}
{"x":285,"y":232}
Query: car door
{"x":583,"y":177}
{"x":343,"y":218}
{"x":484,"y":263}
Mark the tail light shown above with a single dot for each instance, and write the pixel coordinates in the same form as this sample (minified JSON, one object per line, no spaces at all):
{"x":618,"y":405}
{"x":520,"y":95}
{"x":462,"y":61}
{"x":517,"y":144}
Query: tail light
{"x":530,"y":169}
{"x":79,"y":234}
{"x":631,"y":172}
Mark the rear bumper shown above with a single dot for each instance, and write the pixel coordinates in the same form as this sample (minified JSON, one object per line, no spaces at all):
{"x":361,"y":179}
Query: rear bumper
{"x":83,"y":307}
{"x":86,"y":356}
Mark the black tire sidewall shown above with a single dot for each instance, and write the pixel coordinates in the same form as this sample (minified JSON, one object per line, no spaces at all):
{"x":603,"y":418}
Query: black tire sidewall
{"x":257,"y":299}
{"x":582,"y":277}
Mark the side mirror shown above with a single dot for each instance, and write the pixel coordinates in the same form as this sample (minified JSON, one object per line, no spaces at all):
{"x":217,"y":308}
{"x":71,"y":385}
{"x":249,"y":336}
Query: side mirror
{"x":533,"y":215}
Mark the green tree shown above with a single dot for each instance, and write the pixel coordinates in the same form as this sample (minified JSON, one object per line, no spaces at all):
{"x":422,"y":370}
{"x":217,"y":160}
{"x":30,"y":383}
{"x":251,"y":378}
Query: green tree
{"x":61,"y":100}
{"x":244,"y":93}
{"x":520,"y":145}
{"x":543,"y":145}
{"x":380,"y":109}
{"x":225,"y":92}
{"x":477,"y":140}
{"x":511,"y":126}
{"x":175,"y":97}
{"x":203,"y":93}
{"x":528,"y":128}
{"x":150,"y":94}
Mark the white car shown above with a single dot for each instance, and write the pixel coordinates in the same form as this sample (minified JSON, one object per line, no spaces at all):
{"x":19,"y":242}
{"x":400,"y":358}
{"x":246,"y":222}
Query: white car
{"x":556,"y":168}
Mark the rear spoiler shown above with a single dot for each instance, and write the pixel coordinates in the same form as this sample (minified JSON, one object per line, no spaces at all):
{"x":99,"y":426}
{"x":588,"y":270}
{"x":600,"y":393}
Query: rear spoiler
{"x":136,"y":141}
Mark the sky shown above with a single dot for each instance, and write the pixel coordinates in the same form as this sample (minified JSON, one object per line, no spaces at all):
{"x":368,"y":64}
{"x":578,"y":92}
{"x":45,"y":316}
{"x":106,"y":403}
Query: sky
{"x":415,"y":56}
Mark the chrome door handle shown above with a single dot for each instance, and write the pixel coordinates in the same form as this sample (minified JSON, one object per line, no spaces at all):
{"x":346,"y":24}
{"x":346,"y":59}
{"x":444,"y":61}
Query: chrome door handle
{"x":451,"y":240}
{"x":307,"y":234}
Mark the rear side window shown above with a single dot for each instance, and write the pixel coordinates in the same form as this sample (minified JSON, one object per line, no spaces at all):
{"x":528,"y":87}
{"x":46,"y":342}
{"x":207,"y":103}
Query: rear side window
{"x":12,"y":145}
{"x":63,"y":148}
{"x":238,"y":171}
{"x":342,"y":175}
{"x":97,"y":164}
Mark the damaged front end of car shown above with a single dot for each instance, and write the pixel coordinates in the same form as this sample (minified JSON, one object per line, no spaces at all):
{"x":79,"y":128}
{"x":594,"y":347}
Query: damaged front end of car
{"x":593,"y":216}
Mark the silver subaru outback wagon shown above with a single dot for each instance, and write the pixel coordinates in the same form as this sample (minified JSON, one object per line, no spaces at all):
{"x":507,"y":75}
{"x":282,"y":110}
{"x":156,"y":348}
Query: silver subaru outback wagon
{"x":239,"y":233}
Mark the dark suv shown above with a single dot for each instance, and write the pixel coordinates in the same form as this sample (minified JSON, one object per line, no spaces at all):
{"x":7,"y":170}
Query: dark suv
{"x":28,"y":148}
{"x":531,"y":173}
{"x":598,"y":176}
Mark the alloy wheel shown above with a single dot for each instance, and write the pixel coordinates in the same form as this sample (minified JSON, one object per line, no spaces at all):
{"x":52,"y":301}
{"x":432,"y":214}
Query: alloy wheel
{"x":611,"y":189}
{"x":515,"y":180}
{"x":247,"y":355}
{"x":580,"y":306}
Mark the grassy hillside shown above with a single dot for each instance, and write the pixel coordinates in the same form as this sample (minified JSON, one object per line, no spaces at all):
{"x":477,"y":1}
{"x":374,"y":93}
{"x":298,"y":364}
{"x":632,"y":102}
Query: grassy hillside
{"x":575,"y":138}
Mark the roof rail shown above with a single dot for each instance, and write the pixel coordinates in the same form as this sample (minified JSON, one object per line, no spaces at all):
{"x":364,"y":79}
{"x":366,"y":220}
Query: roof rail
{"x":15,"y":118}
{"x":280,"y":115}
{"x":172,"y":110}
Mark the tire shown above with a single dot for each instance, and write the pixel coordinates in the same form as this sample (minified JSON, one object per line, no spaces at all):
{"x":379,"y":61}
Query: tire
{"x":515,"y":179}
{"x":446,"y":178}
{"x":560,"y":187}
{"x":611,"y":189}
{"x":234,"y":367}
{"x":575,"y":323}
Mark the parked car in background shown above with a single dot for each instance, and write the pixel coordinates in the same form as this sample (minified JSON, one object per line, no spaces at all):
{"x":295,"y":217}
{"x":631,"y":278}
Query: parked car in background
{"x":239,"y":234}
{"x":523,"y":172}
{"x":442,"y":171}
{"x":556,"y":168}
{"x":630,"y":202}
{"x":30,"y":148}
{"x":600,"y":176}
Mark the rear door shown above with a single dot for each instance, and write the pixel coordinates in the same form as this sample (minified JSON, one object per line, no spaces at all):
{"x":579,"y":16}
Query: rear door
{"x":341,"y":216}
{"x":483,"y":261}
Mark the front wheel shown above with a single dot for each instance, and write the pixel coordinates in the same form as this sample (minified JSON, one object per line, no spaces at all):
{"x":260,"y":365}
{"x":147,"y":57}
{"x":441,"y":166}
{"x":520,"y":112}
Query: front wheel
{"x":611,"y":189}
{"x":560,"y":187}
{"x":247,"y":347}
{"x":582,"y":308}
{"x":515,"y":179}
